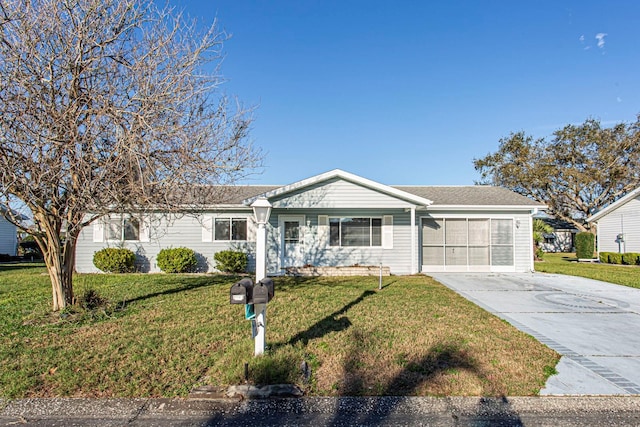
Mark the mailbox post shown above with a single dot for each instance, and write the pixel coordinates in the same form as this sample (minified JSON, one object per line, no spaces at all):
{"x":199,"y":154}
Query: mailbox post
{"x":261,"y":211}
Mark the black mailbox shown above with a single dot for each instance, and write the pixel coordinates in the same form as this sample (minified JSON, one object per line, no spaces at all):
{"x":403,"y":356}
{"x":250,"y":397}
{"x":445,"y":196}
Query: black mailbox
{"x":263,"y":291}
{"x":242,"y":292}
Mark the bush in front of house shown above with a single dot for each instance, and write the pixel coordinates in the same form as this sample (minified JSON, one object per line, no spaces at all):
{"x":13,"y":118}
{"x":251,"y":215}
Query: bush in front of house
{"x":631,"y":258}
{"x":177,"y":260}
{"x":604,"y":257}
{"x":115,"y":260}
{"x":231,"y":261}
{"x":585,"y":245}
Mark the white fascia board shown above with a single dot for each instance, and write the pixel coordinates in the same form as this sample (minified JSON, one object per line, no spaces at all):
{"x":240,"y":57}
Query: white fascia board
{"x":613,"y":206}
{"x":532,"y":209}
{"x":338,"y":173}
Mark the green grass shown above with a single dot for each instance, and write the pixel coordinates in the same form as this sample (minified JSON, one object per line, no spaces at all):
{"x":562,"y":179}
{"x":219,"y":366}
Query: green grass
{"x":567,"y":264}
{"x":161,"y":335}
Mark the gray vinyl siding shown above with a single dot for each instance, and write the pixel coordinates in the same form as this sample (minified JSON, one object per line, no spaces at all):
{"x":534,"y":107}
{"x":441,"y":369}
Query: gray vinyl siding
{"x":320,"y":254}
{"x":8,"y":238}
{"x":623,"y":220}
{"x":336,"y":194}
{"x":185,"y":231}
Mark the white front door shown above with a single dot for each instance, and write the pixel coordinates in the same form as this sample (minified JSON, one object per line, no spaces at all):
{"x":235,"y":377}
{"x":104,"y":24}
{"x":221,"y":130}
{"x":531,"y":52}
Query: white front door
{"x":291,"y":240}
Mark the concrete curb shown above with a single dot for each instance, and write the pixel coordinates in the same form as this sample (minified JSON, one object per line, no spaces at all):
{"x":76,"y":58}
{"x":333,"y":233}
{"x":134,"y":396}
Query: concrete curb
{"x":130,"y":409}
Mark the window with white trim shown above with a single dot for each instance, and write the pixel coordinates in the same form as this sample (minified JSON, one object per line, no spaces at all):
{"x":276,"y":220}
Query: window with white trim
{"x":123,"y":229}
{"x":230,"y":229}
{"x":355,"y":231}
{"x":467,"y":241}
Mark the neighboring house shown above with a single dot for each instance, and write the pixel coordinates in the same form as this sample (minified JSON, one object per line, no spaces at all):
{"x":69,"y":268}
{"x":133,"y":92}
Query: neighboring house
{"x":618,"y":225}
{"x":8,"y":237}
{"x":341,"y":219}
{"x":562,"y":238}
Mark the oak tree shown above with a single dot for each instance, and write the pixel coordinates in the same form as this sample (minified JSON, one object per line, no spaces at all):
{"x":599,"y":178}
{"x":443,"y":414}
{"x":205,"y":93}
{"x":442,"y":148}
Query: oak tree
{"x":110,"y":106}
{"x":578,"y":171}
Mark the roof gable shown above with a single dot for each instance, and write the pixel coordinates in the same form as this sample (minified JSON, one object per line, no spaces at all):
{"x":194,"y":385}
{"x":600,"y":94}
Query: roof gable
{"x":321,"y":188}
{"x":615,"y":205}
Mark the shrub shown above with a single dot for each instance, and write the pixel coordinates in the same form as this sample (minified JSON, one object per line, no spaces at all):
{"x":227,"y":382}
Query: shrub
{"x":631,"y":258}
{"x":615,"y":258}
{"x":114,"y":260}
{"x":604,"y":257}
{"x":231,"y":261}
{"x":177,"y":260}
{"x":585,"y":245}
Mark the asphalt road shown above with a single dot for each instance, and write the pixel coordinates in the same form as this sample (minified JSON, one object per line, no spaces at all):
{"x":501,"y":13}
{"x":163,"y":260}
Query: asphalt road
{"x":348,"y":411}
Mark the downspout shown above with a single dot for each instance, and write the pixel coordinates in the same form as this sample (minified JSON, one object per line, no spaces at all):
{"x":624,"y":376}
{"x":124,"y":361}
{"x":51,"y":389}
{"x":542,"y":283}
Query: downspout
{"x":414,"y":242}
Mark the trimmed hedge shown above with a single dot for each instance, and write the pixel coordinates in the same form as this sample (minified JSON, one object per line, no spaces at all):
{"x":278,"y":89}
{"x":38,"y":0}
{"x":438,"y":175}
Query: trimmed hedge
{"x":585,"y":245}
{"x":631,"y":258}
{"x":115,"y":260}
{"x":231,"y":261}
{"x":177,"y":260}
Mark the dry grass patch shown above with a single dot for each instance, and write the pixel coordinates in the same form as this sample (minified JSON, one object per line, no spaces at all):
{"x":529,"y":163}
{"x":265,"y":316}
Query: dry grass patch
{"x":161,"y":335}
{"x":415,"y":337}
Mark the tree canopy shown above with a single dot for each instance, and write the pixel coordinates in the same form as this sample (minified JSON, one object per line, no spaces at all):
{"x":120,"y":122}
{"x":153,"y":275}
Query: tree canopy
{"x":109,"y":106}
{"x":576,"y":172}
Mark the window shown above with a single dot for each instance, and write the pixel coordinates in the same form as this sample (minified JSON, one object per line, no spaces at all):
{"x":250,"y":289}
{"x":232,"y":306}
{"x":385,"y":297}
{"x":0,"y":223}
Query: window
{"x":355,"y":231}
{"x":123,"y":228}
{"x":467,"y":241}
{"x":230,"y":229}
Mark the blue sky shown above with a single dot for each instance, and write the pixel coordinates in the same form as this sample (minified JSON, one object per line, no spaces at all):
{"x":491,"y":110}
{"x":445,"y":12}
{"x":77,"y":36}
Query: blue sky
{"x":410,"y":92}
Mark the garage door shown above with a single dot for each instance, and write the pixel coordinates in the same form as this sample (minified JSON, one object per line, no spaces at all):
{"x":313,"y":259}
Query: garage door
{"x":467,"y":244}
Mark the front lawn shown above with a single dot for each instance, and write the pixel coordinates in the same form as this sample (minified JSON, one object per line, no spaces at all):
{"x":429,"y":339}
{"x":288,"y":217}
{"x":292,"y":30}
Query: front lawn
{"x":568,"y":264}
{"x":161,"y":335}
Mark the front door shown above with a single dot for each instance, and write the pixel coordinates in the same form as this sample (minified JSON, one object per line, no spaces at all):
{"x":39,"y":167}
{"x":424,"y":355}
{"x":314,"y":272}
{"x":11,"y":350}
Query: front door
{"x":291,"y":240}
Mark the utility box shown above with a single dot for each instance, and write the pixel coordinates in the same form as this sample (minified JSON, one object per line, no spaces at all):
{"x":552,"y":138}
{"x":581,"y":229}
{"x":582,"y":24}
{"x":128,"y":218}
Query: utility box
{"x":242,"y":292}
{"x":263,"y":291}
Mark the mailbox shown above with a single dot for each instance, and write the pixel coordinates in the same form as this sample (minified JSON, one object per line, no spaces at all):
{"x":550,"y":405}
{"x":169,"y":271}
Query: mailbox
{"x":242,"y":292}
{"x":263,"y":291}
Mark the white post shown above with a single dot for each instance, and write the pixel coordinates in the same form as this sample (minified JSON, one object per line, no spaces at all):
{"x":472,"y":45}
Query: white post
{"x":261,"y":272}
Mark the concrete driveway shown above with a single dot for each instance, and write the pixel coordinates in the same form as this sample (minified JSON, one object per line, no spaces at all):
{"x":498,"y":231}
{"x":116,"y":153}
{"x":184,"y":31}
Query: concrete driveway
{"x":594,"y":325}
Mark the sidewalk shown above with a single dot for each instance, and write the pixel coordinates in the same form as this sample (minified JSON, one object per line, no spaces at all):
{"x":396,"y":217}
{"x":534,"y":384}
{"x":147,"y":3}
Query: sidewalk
{"x":318,"y":411}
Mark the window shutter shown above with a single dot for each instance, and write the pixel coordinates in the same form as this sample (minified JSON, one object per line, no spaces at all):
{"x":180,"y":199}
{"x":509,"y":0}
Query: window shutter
{"x":387,"y":232}
{"x":145,"y":229}
{"x":98,"y":230}
{"x":251,"y":229}
{"x":207,"y":228}
{"x":323,"y":231}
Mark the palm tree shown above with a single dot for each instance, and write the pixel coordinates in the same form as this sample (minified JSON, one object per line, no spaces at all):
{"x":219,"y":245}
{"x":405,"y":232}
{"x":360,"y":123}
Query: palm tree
{"x":540,"y":228}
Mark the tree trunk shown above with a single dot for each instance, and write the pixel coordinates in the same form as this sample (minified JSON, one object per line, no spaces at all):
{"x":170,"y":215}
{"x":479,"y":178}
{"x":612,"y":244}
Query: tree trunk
{"x":60,"y":266}
{"x":59,"y":258}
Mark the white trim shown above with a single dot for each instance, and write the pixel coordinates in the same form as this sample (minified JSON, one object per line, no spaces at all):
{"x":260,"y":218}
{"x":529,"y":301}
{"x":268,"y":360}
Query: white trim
{"x":386,"y":231}
{"x":303,"y":227}
{"x":414,"y":242}
{"x":323,"y":231}
{"x":337,"y":173}
{"x":530,"y":209}
{"x":98,"y":231}
{"x":207,"y":228}
{"x":230,"y":217}
{"x":144,"y":229}
{"x":427,"y":268}
{"x":615,"y":205}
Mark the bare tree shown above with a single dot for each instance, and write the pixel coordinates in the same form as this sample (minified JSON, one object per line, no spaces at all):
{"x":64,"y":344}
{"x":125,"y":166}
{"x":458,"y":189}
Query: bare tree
{"x":109,"y":106}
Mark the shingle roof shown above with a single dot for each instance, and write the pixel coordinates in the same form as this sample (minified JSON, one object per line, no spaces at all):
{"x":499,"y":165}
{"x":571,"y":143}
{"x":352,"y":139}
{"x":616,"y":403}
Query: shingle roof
{"x":236,"y":194}
{"x":471,"y":195}
{"x":559,"y":224}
